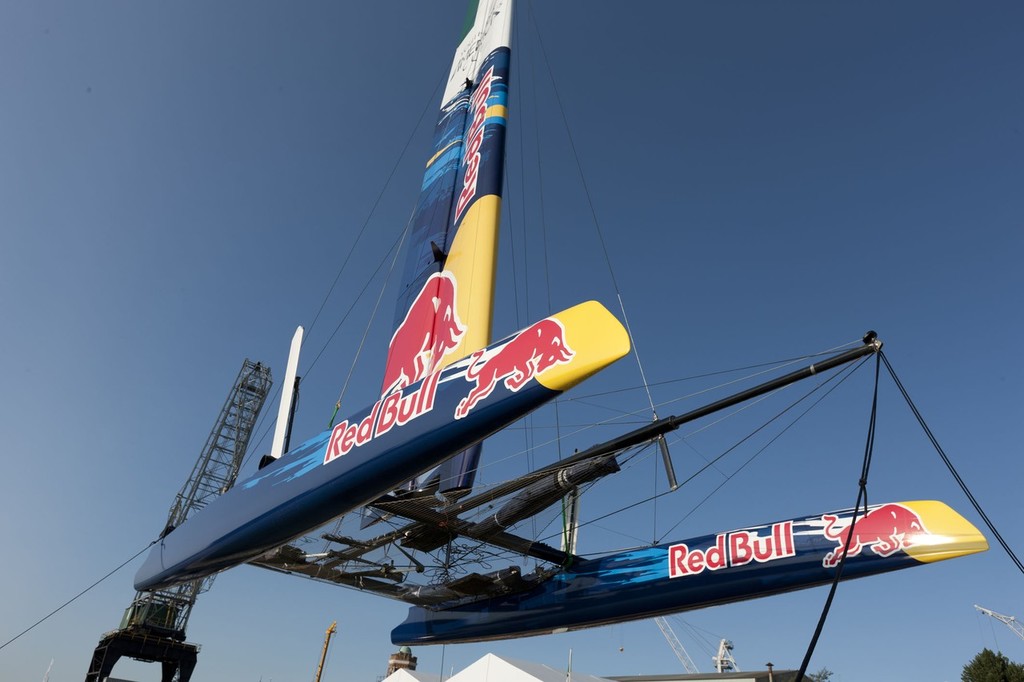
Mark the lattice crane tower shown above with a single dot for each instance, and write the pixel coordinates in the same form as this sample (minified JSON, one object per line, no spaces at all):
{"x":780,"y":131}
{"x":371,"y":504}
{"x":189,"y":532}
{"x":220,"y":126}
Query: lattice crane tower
{"x":677,"y":646}
{"x":153,"y":626}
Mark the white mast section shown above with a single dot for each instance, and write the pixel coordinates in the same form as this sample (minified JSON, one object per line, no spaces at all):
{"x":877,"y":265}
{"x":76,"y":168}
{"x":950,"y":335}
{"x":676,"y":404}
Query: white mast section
{"x":491,"y":30}
{"x":287,"y":395}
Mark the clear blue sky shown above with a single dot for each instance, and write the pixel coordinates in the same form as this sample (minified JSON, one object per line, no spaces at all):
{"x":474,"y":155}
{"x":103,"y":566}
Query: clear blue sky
{"x":180,"y":182}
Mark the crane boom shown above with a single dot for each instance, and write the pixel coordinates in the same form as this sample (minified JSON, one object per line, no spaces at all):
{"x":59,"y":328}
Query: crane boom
{"x":323,"y":654}
{"x":676,"y":645}
{"x":1009,"y":621}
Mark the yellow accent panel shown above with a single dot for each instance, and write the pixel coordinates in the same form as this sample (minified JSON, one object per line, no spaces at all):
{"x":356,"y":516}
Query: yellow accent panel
{"x":498,"y":110}
{"x":473,"y":261}
{"x":950,"y":535}
{"x":446,"y":148}
{"x":492,"y":111}
{"x":596,"y":338}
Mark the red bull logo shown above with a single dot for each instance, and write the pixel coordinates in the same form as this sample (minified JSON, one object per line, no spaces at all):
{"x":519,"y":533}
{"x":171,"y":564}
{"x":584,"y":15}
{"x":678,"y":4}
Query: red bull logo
{"x":471,"y":159}
{"x":430,"y":330}
{"x":532,"y":352}
{"x":885,"y":530}
{"x":738,"y":548}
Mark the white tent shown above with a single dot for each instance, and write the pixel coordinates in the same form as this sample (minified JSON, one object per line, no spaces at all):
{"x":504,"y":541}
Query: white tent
{"x":492,"y":668}
{"x":406,"y":675}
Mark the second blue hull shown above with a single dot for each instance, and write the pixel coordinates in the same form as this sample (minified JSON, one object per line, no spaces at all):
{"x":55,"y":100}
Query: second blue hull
{"x":704,"y":571}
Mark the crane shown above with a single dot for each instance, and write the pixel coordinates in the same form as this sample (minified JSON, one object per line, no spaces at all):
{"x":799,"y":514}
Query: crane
{"x":724,"y":662}
{"x":676,"y":645}
{"x":153,"y":627}
{"x":1009,"y":621}
{"x":323,"y":654}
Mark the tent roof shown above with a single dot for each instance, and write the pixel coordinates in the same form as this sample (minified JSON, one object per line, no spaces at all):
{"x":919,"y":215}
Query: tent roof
{"x":493,"y":668}
{"x":405,"y":675}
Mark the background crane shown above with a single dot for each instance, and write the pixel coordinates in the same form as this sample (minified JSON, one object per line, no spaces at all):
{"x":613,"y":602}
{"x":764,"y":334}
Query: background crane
{"x":323,"y":654}
{"x":676,"y":645}
{"x":153,"y":626}
{"x":1010,"y":621}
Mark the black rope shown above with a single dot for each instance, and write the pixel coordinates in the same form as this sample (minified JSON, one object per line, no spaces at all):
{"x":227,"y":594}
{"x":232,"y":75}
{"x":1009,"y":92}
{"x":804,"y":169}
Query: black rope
{"x":69,"y":601}
{"x":949,"y":465}
{"x":862,"y":499}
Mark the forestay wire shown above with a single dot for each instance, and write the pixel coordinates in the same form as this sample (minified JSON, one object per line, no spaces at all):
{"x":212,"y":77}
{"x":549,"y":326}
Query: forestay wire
{"x":949,"y":465}
{"x":593,"y":213}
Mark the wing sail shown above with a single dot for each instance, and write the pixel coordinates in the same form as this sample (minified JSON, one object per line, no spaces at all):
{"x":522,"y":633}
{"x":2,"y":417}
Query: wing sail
{"x":444,"y":309}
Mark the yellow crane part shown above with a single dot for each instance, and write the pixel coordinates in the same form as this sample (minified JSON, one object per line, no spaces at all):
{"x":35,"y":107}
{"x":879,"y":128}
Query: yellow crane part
{"x":323,"y":654}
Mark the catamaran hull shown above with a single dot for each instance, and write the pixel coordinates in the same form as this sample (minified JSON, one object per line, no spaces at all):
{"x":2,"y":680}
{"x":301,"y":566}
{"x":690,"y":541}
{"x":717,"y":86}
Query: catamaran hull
{"x":401,"y":435}
{"x":705,"y":571}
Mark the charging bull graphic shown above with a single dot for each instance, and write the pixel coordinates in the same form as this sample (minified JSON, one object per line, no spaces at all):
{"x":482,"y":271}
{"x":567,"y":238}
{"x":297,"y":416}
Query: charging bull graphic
{"x":885,"y":530}
{"x":536,"y":349}
{"x":430,"y":329}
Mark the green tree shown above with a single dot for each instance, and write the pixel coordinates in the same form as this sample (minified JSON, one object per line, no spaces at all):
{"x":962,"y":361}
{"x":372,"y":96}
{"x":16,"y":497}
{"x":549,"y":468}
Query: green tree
{"x":823,"y":675}
{"x":992,"y":667}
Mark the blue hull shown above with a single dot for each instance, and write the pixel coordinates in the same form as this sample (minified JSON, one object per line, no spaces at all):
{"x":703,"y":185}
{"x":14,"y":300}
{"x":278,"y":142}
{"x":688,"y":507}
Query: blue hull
{"x":406,"y":432}
{"x":301,"y":491}
{"x":705,"y":571}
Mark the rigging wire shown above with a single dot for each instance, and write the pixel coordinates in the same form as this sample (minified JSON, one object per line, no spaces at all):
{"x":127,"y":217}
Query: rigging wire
{"x":952,"y":470}
{"x":369,"y":324}
{"x":834,"y":378}
{"x":619,"y":420}
{"x":348,"y":257}
{"x":528,"y":422}
{"x":862,"y":497}
{"x":771,"y":366}
{"x":376,"y":202}
{"x":507,"y":176}
{"x":839,"y":382}
{"x":476,"y":555}
{"x":69,"y":601}
{"x":396,"y":244}
{"x":593,"y":210}
{"x":541,"y":207}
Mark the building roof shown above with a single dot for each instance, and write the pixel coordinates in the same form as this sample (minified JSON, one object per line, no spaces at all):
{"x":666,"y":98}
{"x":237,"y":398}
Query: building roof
{"x":749,"y":676}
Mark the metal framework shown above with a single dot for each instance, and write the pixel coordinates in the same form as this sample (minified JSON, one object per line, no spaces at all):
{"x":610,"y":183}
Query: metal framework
{"x":677,"y":646}
{"x":1009,"y":621}
{"x":153,"y":626}
{"x":430,"y":525}
{"x":724,"y":662}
